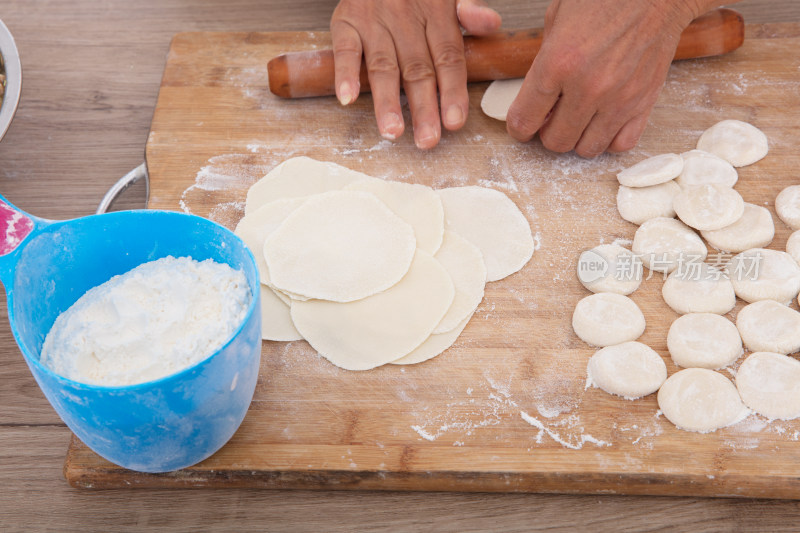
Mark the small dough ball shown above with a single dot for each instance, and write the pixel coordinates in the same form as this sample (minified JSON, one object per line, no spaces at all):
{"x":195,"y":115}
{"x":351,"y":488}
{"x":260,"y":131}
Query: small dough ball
{"x":737,"y":142}
{"x":383,"y":327}
{"x":492,"y":222}
{"x":418,"y":205}
{"x":630,"y":370}
{"x":699,"y":288}
{"x":764,"y":274}
{"x":664,"y":243}
{"x":610,"y":268}
{"x":652,"y":171}
{"x":606,"y":318}
{"x":787,"y":204}
{"x":638,"y":204}
{"x":754,"y":229}
{"x":340,"y":246}
{"x":704,"y":340}
{"x":769,"y":384}
{"x":793,"y":246}
{"x":768,"y":326}
{"x":464,"y":262}
{"x":698,"y":399}
{"x":701,"y":168}
{"x":499,"y":96}
{"x":708,"y":207}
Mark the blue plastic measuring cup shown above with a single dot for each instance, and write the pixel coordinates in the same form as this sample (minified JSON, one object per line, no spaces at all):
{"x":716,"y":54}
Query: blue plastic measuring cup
{"x":161,"y":425}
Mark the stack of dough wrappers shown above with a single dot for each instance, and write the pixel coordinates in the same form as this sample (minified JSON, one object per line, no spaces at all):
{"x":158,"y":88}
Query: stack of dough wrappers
{"x":372,"y":271}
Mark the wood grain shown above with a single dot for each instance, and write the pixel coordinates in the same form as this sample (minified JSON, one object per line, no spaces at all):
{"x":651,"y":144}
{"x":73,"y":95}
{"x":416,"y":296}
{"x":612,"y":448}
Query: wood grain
{"x":503,"y":410}
{"x":63,"y":151}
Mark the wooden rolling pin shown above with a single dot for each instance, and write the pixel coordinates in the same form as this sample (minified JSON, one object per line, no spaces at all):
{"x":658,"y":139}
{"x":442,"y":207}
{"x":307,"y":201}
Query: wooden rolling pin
{"x":499,"y":56}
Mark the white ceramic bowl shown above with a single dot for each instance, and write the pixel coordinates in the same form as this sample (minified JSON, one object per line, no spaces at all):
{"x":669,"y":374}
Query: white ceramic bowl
{"x":13,"y":85}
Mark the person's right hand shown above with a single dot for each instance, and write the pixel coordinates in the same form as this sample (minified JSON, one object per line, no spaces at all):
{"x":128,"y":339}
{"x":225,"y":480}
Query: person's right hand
{"x":414,"y":42}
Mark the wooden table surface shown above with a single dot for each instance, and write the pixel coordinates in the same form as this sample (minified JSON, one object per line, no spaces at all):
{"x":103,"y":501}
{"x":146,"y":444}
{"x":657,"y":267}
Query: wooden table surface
{"x":91,"y":76}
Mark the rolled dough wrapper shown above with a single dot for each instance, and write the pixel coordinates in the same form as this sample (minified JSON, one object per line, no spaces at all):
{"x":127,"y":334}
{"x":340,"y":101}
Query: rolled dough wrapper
{"x":664,"y":243}
{"x":764,"y":274}
{"x":737,"y":142}
{"x":606,"y":318}
{"x":699,"y":288}
{"x":276,"y":321}
{"x":701,"y":168}
{"x":492,"y":222}
{"x":433,"y":345}
{"x":769,"y":384}
{"x":708,"y":207}
{"x":376,"y":330}
{"x":499,"y":96}
{"x":698,"y":399}
{"x":754,"y":229}
{"x":610,"y":268}
{"x":704,"y":340}
{"x":418,"y":205}
{"x":630,"y":370}
{"x":793,"y":246}
{"x":340,"y":246}
{"x":787,"y":204}
{"x":298,"y":177}
{"x":464,"y":262}
{"x":768,"y":326}
{"x":639,"y":204}
{"x":652,"y":171}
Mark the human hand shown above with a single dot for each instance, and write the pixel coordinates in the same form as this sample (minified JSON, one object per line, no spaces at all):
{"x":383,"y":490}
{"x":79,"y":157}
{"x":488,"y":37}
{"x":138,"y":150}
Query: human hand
{"x":414,"y":42}
{"x":599,"y":72}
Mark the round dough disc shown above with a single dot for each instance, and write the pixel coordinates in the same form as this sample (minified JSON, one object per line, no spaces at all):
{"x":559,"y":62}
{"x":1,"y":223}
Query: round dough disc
{"x":737,"y":142}
{"x":708,"y":207}
{"x":664,"y":243}
{"x":787,"y":205}
{"x":639,"y":204}
{"x":610,"y":268}
{"x":340,"y":246}
{"x":464,"y":262}
{"x":793,"y":246}
{"x":652,"y":171}
{"x":433,"y":345}
{"x":701,"y":168}
{"x":299,"y":176}
{"x":489,"y":220}
{"x":764,"y":274}
{"x":704,"y":340}
{"x":630,"y":370}
{"x":606,"y":318}
{"x":276,"y":322}
{"x":698,"y":399}
{"x":768,"y":326}
{"x":418,"y":205}
{"x":754,"y":229}
{"x":699,"y":288}
{"x":499,"y":96}
{"x":769,"y":384}
{"x":381,"y":328}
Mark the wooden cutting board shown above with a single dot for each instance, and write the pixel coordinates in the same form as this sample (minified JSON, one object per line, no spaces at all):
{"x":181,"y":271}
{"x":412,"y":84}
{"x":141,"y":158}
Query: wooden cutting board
{"x":505,"y":409}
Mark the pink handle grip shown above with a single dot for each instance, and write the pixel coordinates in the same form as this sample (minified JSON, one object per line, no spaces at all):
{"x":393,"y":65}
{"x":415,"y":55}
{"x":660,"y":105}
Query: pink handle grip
{"x":14,"y":227}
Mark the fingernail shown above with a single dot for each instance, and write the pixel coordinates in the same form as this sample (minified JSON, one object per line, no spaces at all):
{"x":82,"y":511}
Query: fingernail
{"x":426,"y":136}
{"x":392,"y":126}
{"x":345,"y":93}
{"x":454,"y":116}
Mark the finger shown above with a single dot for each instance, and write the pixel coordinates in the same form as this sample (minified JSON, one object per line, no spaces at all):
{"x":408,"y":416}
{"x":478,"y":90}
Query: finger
{"x":477,"y":18}
{"x":598,"y":135}
{"x":347,"y":61}
{"x":419,"y":82}
{"x":536,"y":98}
{"x":628,"y":137}
{"x":384,"y":80}
{"x":447,"y":50}
{"x":570,"y":117}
